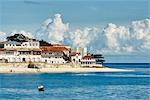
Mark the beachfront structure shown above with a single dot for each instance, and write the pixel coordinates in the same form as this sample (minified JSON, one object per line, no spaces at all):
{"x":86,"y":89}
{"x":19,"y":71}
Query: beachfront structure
{"x":11,"y":53}
{"x":61,"y":45}
{"x":82,"y":51}
{"x":19,"y":48}
{"x":75,"y":57}
{"x":30,"y":51}
{"x":99,"y":58}
{"x":54,"y":54}
{"x":49,"y":54}
{"x":88,"y":61}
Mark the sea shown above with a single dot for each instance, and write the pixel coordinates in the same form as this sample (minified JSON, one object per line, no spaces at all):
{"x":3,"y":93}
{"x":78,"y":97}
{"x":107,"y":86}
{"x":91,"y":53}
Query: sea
{"x":80,"y":86}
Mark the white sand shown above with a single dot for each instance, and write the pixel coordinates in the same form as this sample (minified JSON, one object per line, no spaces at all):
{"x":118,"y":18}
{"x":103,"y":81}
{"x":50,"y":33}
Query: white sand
{"x":58,"y":70}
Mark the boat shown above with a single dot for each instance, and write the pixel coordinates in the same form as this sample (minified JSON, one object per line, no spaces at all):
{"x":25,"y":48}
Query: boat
{"x":41,"y":88}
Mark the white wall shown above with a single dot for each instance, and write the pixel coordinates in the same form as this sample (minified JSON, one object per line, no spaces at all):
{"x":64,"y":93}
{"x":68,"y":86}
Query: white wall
{"x":31,"y":44}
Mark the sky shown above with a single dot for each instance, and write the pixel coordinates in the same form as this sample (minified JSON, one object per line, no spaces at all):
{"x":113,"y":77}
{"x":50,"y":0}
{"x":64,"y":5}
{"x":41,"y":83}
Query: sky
{"x":112,"y":27}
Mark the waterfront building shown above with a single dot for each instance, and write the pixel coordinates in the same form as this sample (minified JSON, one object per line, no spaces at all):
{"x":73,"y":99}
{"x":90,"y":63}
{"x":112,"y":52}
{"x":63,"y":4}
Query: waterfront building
{"x":99,"y":58}
{"x":88,"y":61}
{"x":75,"y":57}
{"x":12,"y":51}
{"x":82,"y":51}
{"x":54,"y":54}
{"x":61,"y":45}
{"x":19,"y":48}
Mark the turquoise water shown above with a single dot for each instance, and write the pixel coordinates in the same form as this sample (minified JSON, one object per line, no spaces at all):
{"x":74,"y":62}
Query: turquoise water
{"x":79,"y":86}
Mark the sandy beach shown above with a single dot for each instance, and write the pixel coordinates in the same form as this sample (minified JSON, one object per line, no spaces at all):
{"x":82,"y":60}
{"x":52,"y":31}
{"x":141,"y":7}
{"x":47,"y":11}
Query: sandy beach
{"x":22,"y":68}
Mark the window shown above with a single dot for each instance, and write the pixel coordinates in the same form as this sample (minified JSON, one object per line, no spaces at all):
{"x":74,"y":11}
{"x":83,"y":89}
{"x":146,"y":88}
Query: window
{"x":18,"y":45}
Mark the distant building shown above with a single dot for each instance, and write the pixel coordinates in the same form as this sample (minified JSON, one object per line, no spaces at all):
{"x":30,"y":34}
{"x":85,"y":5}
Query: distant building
{"x":13,"y":51}
{"x":19,"y":48}
{"x":60,"y":45}
{"x":82,"y":51}
{"x":75,"y":57}
{"x":14,"y":44}
{"x":54,"y":54}
{"x":99,"y":58}
{"x":88,"y":61}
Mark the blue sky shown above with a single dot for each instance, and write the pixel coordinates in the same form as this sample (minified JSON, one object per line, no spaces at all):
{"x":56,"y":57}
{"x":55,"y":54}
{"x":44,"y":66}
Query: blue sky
{"x":28,"y":15}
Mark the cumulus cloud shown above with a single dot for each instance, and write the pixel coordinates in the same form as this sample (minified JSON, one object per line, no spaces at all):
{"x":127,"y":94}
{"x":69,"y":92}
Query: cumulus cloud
{"x":113,"y":39}
{"x":2,"y":36}
{"x":54,"y":29}
{"x":28,"y":34}
{"x":116,"y":35}
{"x":131,"y":39}
{"x":58,"y":29}
{"x":83,"y":38}
{"x":43,"y":31}
{"x":141,"y":32}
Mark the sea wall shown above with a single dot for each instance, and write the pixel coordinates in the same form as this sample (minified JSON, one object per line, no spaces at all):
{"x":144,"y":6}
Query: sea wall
{"x":40,"y":65}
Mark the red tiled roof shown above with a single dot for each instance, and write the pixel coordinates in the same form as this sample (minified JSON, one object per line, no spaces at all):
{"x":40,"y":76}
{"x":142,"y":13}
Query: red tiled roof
{"x":53,"y":49}
{"x":72,"y":53}
{"x":87,"y":57}
{"x":59,"y":45}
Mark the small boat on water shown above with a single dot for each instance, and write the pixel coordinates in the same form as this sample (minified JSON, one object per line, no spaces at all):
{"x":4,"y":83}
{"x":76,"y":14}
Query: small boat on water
{"x":41,"y":88}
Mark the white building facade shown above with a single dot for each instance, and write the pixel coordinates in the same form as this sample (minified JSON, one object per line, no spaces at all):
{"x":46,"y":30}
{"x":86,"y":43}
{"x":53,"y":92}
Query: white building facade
{"x":88,"y":61}
{"x":13,"y":51}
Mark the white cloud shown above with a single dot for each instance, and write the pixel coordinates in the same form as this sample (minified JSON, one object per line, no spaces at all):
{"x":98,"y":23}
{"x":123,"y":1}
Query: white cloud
{"x":83,"y":38}
{"x":116,"y":35}
{"x":53,"y":30}
{"x":43,"y":31}
{"x":121,"y":39}
{"x":58,"y":29}
{"x":2,"y":36}
{"x":28,"y":34}
{"x":46,"y":23}
{"x":141,"y":32}
{"x":140,"y":29}
{"x":114,"y":39}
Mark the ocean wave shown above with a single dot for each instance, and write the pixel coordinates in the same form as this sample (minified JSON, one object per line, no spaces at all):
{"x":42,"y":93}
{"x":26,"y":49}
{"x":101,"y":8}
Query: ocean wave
{"x":18,"y":90}
{"x":84,"y":74}
{"x":128,"y":75}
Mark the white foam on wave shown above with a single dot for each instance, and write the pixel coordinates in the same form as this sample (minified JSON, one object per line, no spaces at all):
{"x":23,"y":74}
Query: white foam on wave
{"x":129,"y":75}
{"x":18,"y":90}
{"x":84,"y":74}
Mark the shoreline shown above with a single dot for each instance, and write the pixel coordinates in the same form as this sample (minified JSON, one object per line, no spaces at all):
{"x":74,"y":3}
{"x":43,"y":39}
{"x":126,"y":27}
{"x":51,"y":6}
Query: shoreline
{"x":49,"y":68}
{"x":22,"y":70}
